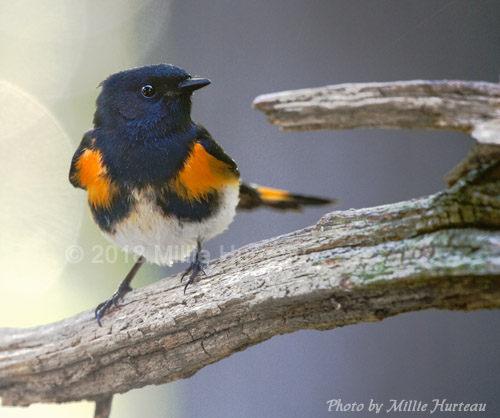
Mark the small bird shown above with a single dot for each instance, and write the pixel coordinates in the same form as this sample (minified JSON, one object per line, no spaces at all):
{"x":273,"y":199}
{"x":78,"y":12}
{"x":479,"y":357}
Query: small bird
{"x":158,"y":185}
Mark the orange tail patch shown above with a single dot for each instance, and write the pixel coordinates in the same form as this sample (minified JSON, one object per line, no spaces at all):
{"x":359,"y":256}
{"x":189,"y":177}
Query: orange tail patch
{"x":253,"y":196}
{"x":267,"y":193}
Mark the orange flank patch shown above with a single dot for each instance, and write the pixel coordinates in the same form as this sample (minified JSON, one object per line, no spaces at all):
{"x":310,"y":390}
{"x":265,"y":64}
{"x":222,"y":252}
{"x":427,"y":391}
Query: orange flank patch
{"x":267,"y":193}
{"x":92,"y":175}
{"x":202,"y":174}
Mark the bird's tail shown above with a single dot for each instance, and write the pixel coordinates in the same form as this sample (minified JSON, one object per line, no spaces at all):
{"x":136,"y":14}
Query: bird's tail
{"x":253,"y":196}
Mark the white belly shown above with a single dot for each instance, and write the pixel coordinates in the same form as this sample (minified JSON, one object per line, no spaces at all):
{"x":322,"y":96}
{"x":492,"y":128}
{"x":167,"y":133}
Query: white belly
{"x":162,"y":240}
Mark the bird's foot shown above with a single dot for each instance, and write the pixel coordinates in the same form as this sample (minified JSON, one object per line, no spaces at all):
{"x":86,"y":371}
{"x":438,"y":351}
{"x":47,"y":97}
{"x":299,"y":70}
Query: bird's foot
{"x":198,"y":265}
{"x":101,"y":309}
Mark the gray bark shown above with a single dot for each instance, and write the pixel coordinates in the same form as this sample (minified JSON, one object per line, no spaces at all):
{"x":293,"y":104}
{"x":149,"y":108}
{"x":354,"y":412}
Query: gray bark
{"x":458,"y":105}
{"x":471,"y":107}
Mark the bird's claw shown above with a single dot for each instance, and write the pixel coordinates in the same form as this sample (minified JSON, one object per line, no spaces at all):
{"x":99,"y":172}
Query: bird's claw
{"x":101,"y":309}
{"x":196,"y":267}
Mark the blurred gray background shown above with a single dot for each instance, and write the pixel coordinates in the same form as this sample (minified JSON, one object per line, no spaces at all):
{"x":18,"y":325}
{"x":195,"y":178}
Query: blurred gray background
{"x":252,"y":47}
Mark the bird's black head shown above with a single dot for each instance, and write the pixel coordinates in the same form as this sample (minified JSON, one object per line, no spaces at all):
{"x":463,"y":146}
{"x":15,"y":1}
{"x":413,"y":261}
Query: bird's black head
{"x":154,"y":97}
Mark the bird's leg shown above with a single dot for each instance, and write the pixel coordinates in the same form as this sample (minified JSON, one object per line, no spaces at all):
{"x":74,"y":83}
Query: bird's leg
{"x":198,"y":265}
{"x":123,"y":289}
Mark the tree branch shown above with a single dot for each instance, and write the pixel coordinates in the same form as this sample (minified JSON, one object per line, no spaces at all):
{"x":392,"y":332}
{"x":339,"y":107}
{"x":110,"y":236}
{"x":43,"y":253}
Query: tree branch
{"x":441,"y":251}
{"x":471,"y":107}
{"x":419,"y":104}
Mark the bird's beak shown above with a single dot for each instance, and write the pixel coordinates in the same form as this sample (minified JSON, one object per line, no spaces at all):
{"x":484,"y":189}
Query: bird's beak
{"x":193,"y":83}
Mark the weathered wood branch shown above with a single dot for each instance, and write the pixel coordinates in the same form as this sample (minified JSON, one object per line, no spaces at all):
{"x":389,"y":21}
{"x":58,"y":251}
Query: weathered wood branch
{"x":472,"y":107}
{"x":441,"y":252}
{"x":419,"y":104}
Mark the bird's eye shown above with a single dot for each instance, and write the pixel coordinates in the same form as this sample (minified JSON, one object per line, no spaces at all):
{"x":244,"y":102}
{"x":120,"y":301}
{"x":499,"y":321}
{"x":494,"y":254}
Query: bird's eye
{"x":148,"y":91}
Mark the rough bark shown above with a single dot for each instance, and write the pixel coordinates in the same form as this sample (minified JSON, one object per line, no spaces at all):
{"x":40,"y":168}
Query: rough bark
{"x":441,"y":251}
{"x":418,"y":104}
{"x":471,"y":107}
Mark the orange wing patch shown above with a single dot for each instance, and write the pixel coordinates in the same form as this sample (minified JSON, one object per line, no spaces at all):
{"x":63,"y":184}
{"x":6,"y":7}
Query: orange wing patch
{"x":91,"y":173}
{"x":202,"y":174}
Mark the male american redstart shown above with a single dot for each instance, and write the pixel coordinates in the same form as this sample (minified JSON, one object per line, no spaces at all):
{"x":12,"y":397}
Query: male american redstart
{"x":157,"y":183}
